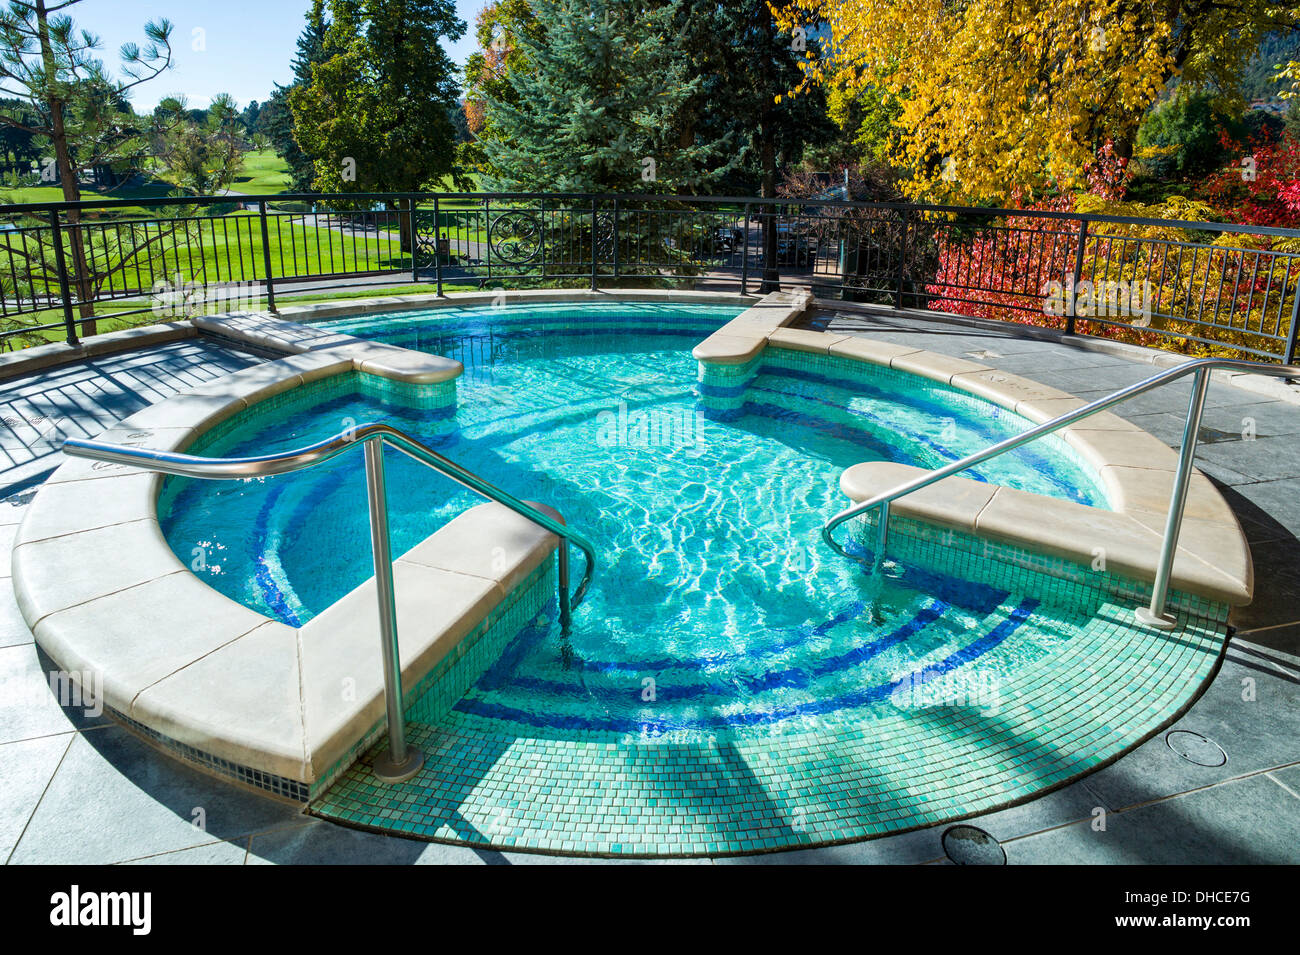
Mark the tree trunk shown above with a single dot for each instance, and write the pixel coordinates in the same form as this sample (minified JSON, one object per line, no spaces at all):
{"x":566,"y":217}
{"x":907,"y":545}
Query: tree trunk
{"x":767,"y":159}
{"x":767,"y":156}
{"x":404,"y":223}
{"x":80,"y":278}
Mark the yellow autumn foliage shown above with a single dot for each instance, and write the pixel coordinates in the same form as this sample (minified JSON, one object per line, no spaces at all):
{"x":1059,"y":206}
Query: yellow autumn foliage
{"x":1010,"y":99}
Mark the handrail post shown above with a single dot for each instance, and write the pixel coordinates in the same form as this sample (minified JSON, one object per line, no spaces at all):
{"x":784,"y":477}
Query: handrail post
{"x":266,"y":256}
{"x":1076,"y":277}
{"x":61,"y":265}
{"x":1155,"y":616}
{"x":566,"y":608}
{"x":401,"y":762}
{"x":882,"y":533}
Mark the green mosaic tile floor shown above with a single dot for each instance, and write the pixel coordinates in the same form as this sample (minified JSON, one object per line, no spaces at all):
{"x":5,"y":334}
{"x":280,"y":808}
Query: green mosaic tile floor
{"x":492,"y":783}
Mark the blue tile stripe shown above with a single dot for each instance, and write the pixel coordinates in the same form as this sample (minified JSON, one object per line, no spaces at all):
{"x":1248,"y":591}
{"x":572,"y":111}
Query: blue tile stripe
{"x":654,"y":727}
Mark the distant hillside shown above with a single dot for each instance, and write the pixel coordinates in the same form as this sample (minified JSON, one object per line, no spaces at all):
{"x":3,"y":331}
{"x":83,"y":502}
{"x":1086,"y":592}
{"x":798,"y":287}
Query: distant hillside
{"x":1257,"y":78}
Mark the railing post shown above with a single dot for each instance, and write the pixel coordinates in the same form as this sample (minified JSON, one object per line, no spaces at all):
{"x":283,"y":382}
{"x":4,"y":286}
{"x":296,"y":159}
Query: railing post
{"x":1155,"y":616}
{"x":594,"y":279}
{"x":437,"y":245}
{"x":61,"y":266}
{"x":401,"y":762}
{"x":882,"y":533}
{"x":616,"y":240}
{"x":415,"y":245}
{"x":266,"y":256}
{"x":1073,"y":280}
{"x":744,"y":257}
{"x":1289,"y":358}
{"x":902,"y":260}
{"x":487,"y":234}
{"x":566,"y":609}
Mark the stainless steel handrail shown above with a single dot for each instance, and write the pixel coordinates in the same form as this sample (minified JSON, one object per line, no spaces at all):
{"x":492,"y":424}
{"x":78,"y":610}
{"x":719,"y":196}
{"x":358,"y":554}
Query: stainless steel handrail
{"x":1154,"y":615}
{"x":402,"y":761}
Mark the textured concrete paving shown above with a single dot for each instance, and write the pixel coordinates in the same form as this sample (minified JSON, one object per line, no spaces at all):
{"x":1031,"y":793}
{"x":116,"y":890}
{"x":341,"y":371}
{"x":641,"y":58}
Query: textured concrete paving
{"x":38,"y":411}
{"x":77,"y":788}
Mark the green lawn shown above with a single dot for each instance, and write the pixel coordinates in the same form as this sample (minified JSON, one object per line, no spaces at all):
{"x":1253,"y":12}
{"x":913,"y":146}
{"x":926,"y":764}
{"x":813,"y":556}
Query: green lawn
{"x":229,"y":249}
{"x":263,"y":174}
{"x":149,"y":190}
{"x":108,"y":320}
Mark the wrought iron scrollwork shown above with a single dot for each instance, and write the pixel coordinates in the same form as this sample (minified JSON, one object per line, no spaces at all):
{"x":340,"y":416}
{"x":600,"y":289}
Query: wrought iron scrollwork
{"x":427,"y":238}
{"x":604,"y":236}
{"x":515,"y":238}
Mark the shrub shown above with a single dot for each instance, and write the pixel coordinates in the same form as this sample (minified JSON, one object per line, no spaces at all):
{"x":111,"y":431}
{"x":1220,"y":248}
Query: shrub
{"x":1179,"y":139}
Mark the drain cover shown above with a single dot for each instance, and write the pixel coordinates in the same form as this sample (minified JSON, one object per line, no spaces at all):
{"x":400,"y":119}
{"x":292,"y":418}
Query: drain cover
{"x":967,"y":845}
{"x":1196,"y":748}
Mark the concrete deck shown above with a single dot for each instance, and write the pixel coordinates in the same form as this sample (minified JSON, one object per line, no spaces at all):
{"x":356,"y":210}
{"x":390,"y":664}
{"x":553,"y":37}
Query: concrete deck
{"x":38,"y":411}
{"x":79,"y":789}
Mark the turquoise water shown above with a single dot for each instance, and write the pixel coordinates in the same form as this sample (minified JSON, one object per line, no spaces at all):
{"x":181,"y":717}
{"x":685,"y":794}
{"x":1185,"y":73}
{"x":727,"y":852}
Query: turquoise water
{"x":715,"y":604}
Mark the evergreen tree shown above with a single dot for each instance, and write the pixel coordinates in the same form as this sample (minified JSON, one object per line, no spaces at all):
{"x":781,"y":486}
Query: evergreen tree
{"x":276,"y":118}
{"x":748,"y":68}
{"x":594,"y":104}
{"x":376,"y":115}
{"x":74,"y":108}
{"x":579,"y":92}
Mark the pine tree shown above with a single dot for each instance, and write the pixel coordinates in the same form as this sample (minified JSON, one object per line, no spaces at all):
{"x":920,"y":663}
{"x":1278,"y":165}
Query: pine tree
{"x":588,"y":89}
{"x":594,"y":106}
{"x":277,"y":118}
{"x":311,"y":43}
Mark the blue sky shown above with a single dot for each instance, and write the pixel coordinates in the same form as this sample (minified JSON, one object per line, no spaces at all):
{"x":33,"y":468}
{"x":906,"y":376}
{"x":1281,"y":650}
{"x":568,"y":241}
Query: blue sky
{"x":248,"y":44}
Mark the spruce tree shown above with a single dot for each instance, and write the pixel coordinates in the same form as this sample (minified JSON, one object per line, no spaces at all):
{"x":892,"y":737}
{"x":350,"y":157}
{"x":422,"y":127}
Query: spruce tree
{"x":594,"y":105}
{"x":276,"y":120}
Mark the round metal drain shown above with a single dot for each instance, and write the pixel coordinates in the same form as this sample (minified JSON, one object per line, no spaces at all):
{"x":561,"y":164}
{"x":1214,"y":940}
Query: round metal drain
{"x":967,"y":845}
{"x":1196,"y":748}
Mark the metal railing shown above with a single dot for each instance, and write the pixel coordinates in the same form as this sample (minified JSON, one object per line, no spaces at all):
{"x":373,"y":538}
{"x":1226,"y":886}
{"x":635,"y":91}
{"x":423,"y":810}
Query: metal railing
{"x":402,"y":761}
{"x":1154,"y":615}
{"x":1174,"y":284}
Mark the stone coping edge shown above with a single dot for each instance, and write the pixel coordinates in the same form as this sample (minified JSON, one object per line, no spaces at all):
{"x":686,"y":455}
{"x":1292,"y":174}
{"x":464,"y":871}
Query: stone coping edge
{"x":106,"y":597}
{"x":26,"y":360}
{"x":743,"y":338}
{"x":1274,"y":388}
{"x":292,"y":329}
{"x":1137,"y":469}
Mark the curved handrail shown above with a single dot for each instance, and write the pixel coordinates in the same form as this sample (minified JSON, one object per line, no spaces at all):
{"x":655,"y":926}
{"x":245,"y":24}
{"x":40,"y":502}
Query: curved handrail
{"x":402,"y":761}
{"x":285,"y":462}
{"x":1201,"y":367}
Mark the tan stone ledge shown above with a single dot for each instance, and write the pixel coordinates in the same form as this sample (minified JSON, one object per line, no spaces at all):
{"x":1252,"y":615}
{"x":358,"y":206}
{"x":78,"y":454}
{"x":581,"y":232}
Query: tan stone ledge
{"x":1136,"y":470}
{"x":102,"y":591}
{"x":1212,"y":561}
{"x":745,"y":336}
{"x":40,"y":357}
